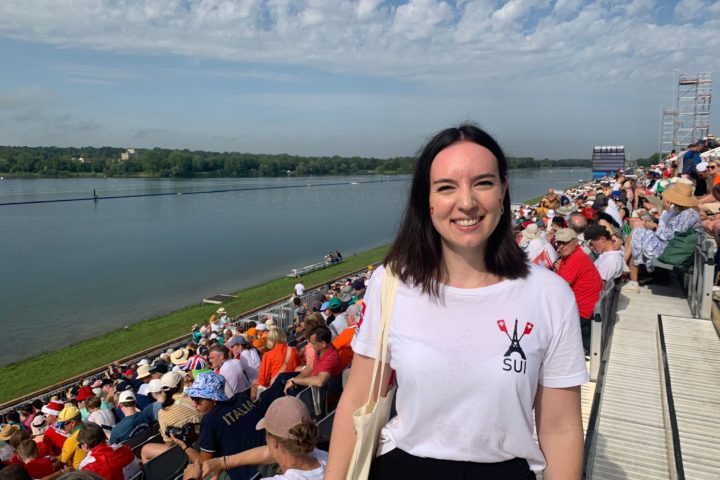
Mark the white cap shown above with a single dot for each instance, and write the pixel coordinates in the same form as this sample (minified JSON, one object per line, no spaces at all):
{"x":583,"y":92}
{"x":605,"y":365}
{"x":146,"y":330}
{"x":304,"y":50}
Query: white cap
{"x":144,"y":361}
{"x":155,"y":386}
{"x":127,"y":396}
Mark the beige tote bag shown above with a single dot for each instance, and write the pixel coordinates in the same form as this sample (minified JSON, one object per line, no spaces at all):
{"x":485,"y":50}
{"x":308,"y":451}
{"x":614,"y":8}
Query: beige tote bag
{"x":369,"y":419}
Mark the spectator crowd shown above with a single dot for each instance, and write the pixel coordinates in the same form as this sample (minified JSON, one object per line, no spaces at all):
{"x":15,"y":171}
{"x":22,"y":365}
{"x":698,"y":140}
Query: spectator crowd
{"x":206,"y":397}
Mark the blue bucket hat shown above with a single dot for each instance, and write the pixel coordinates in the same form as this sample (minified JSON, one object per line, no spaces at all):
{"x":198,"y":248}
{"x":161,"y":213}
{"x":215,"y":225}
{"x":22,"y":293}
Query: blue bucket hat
{"x":208,"y":385}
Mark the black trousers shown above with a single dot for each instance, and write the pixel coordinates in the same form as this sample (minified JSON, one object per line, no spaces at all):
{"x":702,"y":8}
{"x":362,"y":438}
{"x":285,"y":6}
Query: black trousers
{"x":585,"y":328}
{"x":398,"y":464}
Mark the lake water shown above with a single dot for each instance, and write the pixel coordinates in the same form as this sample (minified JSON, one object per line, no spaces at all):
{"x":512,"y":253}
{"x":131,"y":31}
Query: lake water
{"x":74,"y":270}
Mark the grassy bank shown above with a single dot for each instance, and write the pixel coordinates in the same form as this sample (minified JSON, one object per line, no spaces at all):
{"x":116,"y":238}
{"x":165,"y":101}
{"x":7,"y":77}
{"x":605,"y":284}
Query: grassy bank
{"x":52,"y":367}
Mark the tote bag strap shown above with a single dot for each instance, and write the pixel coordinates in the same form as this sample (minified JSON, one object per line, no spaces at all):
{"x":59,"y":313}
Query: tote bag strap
{"x":388,"y":292}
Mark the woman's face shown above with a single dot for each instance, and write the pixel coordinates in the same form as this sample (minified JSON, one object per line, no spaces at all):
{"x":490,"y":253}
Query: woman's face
{"x":466,"y":196}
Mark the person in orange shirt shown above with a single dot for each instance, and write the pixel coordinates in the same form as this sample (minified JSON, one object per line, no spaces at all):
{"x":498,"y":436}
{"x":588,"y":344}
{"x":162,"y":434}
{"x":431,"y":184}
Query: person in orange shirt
{"x":343,"y":342}
{"x":278,"y":359}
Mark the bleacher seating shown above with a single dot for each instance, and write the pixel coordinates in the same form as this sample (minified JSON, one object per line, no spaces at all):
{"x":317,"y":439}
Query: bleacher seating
{"x":324,"y":430}
{"x":166,"y":466}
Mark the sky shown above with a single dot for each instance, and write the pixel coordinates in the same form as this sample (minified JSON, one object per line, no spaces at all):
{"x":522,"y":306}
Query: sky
{"x":549,"y":79}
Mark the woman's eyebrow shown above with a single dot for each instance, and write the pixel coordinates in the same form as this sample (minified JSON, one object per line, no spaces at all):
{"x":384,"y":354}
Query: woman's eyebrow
{"x":482,"y":176}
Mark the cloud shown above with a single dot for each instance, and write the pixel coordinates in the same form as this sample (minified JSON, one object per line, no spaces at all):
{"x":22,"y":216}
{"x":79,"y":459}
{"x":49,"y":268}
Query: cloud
{"x":96,"y":75}
{"x":27,"y":97}
{"x":430,"y":42}
{"x":690,"y":9}
{"x":457,"y":58}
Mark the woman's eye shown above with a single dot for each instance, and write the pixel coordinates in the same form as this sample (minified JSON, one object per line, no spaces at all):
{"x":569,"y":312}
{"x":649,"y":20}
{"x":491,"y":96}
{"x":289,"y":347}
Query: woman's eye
{"x":443,"y":188}
{"x":485,"y":184}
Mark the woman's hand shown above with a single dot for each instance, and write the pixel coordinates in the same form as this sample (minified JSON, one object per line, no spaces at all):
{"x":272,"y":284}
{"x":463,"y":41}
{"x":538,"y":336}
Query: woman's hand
{"x":212,"y":468}
{"x":193,"y":471}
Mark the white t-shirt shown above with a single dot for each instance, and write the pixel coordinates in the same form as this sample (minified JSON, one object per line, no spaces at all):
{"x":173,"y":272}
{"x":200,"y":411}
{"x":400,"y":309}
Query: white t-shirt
{"x":102,"y":417}
{"x":610,"y":264}
{"x":251,"y":363}
{"x":540,"y":252}
{"x":315,"y":474}
{"x":235,"y":378}
{"x":470,"y":396}
{"x":299,"y":289}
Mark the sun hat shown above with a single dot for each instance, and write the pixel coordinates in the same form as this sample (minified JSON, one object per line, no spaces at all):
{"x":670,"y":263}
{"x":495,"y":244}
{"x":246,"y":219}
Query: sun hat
{"x":52,"y":408}
{"x":680,"y":194}
{"x":550,"y":213}
{"x":7,"y":430}
{"x":38,"y":425}
{"x":143,"y":371}
{"x":567,"y":209}
{"x":261,"y":327}
{"x":221,"y":311}
{"x":283,"y":414}
{"x":208,"y":385}
{"x":68,"y":413}
{"x":180,"y":356}
{"x":127,"y":396}
{"x":144,"y":361}
{"x":346,"y":294}
{"x":171,"y":380}
{"x":531,"y":232}
{"x":565,"y":235}
{"x":236,"y":340}
{"x":155,"y":385}
{"x":84,"y":393}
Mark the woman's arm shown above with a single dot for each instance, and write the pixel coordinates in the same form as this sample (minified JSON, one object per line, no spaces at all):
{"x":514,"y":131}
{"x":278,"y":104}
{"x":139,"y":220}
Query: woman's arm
{"x":559,"y":428}
{"x":255,"y":456}
{"x":355,"y":394}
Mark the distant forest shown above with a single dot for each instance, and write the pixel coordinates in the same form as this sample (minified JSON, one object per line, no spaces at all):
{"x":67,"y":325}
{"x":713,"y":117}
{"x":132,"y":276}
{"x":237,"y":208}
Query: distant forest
{"x":160,"y":162}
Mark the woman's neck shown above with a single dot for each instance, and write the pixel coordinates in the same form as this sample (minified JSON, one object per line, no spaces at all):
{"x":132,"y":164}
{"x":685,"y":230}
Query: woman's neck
{"x":287,"y":462}
{"x":466,"y":269}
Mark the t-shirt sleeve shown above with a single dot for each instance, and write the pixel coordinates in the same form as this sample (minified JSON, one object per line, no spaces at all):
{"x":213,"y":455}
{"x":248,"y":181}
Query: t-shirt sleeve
{"x":365,"y":342}
{"x":564,"y":362}
{"x":207,"y":437}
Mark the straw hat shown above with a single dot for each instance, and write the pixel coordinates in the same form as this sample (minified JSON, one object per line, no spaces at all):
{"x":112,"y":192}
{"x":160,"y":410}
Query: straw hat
{"x":180,"y":356}
{"x":7,"y":430}
{"x":680,"y":194}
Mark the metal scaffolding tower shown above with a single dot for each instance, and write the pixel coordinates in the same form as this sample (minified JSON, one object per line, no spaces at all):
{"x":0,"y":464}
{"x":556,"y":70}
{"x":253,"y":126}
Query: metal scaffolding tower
{"x":689,"y":121}
{"x":668,"y":129}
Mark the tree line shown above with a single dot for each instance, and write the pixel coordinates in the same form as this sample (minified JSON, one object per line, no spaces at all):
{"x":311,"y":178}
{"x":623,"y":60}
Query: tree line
{"x":160,"y":162}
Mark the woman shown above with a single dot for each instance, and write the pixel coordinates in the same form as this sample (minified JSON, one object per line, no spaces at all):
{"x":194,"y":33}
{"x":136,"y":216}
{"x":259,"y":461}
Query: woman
{"x":278,"y":359}
{"x":459,"y":267}
{"x":290,"y":435}
{"x":647,"y":243}
{"x":177,"y":410}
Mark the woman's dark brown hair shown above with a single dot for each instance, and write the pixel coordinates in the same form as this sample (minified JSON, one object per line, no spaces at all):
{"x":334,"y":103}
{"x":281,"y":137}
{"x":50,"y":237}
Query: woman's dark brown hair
{"x":415,"y":256}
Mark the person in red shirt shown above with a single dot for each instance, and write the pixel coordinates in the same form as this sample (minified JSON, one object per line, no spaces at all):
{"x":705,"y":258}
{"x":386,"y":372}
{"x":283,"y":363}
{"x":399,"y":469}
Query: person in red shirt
{"x":580,"y":272}
{"x":40,"y":467}
{"x":111,"y":462}
{"x":327,"y":364}
{"x":53,"y":438}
